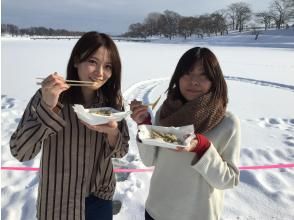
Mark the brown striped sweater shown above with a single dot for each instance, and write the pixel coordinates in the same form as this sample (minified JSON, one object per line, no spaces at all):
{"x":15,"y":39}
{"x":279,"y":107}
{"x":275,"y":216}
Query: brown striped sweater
{"x":75,"y":161}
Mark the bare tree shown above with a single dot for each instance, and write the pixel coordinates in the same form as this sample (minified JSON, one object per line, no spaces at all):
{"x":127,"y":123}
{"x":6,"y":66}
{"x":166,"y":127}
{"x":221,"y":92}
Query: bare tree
{"x":172,"y":23}
{"x":218,"y":23}
{"x":136,"y":30}
{"x":197,"y":27}
{"x":236,"y":16}
{"x":241,"y":13}
{"x":162,"y":22}
{"x":205,"y":24}
{"x":290,"y":5}
{"x":265,"y":18}
{"x":152,"y":23}
{"x":232,"y":14}
{"x":186,"y":26}
{"x":281,"y":11}
{"x":277,"y":12}
{"x":225,"y":19}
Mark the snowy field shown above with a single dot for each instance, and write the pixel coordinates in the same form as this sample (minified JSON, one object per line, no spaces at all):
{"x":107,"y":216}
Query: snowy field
{"x":260,"y":79}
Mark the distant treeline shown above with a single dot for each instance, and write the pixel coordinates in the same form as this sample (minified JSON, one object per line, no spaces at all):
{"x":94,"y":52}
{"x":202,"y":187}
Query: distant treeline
{"x":39,"y":31}
{"x":237,"y":16}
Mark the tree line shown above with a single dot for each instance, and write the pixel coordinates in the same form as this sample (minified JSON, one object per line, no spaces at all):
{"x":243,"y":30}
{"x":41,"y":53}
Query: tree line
{"x":237,"y":16}
{"x":39,"y":31}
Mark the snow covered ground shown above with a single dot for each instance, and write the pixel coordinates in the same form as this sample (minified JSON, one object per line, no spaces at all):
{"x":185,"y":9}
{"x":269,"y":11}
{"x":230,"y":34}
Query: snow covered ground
{"x":261,"y":92}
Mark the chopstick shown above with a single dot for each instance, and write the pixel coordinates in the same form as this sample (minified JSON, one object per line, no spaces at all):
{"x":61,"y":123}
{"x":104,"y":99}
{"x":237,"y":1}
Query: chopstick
{"x":77,"y":82}
{"x":153,"y":104}
{"x":70,"y":84}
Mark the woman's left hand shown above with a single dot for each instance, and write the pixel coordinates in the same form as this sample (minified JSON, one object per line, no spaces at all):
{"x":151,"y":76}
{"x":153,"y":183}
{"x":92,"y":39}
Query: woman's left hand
{"x":190,"y":148}
{"x":111,"y":129}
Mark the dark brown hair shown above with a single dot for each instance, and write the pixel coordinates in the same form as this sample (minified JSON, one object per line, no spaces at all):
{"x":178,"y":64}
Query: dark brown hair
{"x":84,"y":48}
{"x":212,"y":71}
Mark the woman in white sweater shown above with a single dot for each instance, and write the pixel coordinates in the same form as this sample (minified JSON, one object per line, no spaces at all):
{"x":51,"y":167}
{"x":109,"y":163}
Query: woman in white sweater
{"x":188,"y":183}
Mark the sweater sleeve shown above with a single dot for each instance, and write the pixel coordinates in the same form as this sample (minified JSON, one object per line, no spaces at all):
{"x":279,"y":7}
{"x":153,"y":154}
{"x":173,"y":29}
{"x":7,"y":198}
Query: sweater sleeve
{"x":148,"y":153}
{"x":36,"y":124}
{"x":221,"y":169}
{"x":121,"y":146}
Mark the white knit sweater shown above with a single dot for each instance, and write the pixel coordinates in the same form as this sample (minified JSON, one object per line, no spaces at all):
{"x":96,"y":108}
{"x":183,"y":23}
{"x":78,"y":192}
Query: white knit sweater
{"x":184,"y":187}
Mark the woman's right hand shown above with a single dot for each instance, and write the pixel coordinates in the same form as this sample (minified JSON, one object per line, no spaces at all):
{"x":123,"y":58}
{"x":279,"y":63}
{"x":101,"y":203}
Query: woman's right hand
{"x":52,"y":87}
{"x":139,"y":111}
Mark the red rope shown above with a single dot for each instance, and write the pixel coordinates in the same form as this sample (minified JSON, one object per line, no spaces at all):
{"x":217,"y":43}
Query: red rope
{"x":120,"y":170}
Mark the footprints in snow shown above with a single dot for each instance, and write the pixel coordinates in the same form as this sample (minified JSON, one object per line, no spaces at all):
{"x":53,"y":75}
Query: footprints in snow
{"x":124,"y":163}
{"x":289,"y":140}
{"x":283,"y":124}
{"x":6,"y":102}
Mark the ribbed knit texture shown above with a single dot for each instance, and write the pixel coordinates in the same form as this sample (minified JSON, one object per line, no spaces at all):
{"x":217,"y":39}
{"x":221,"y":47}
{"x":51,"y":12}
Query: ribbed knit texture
{"x":203,"y":113}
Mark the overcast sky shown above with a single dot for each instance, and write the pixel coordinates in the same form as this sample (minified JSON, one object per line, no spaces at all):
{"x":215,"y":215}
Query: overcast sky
{"x":110,"y":16}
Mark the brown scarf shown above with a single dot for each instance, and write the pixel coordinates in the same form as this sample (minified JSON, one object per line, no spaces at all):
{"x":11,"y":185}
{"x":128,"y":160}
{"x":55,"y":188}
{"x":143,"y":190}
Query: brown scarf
{"x":202,"y":112}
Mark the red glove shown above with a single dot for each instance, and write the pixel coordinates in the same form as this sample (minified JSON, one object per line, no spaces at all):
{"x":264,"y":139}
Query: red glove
{"x":147,"y":121}
{"x":202,"y":145}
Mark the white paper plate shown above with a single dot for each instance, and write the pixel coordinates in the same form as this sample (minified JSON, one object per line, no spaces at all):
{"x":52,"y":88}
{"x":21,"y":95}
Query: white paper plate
{"x":185,"y":134}
{"x":88,"y":115}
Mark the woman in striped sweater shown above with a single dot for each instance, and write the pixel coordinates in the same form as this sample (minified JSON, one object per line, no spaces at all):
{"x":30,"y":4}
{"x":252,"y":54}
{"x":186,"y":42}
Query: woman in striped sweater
{"x":76,"y":178}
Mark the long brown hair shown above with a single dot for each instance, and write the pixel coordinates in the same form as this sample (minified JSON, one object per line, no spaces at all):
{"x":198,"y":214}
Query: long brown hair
{"x":84,"y":48}
{"x":212,"y":71}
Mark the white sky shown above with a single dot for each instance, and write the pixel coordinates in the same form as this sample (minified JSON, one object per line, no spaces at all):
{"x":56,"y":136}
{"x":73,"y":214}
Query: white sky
{"x":111,"y":16}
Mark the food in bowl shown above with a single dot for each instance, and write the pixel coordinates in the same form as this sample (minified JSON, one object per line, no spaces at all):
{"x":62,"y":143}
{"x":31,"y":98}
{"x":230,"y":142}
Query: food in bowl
{"x":103,"y":112}
{"x":167,"y":137}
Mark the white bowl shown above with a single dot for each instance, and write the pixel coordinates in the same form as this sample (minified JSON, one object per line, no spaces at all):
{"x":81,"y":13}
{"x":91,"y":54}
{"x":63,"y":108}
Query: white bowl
{"x":89,"y":116}
{"x":184,"y":134}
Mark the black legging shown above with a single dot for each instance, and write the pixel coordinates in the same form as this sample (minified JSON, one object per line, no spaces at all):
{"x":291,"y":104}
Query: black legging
{"x":147,"y":216}
{"x":97,"y":208}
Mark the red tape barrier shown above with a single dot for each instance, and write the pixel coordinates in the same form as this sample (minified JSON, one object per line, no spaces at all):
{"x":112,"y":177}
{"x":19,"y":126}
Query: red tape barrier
{"x":120,"y":170}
